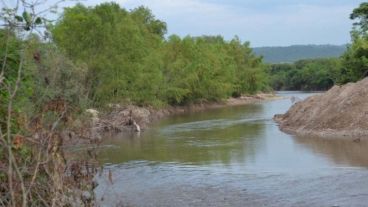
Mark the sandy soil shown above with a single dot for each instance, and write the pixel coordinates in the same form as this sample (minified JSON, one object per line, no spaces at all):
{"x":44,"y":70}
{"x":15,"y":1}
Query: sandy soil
{"x":341,"y":112}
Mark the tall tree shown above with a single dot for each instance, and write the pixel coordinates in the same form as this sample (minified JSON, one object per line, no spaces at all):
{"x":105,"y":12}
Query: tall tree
{"x":355,"y":60}
{"x":361,"y":14}
{"x":116,"y":45}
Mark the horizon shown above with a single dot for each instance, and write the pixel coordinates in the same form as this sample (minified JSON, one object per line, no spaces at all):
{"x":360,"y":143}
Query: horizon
{"x":333,"y":45}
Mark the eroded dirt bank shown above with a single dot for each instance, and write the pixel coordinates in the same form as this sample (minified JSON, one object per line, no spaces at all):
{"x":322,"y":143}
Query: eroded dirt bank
{"x":341,"y":112}
{"x":122,"y":118}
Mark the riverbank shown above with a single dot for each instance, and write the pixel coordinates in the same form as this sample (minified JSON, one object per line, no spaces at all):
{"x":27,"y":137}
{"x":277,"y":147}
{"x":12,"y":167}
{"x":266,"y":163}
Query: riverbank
{"x":231,"y":156}
{"x":341,"y":112}
{"x":122,"y":118}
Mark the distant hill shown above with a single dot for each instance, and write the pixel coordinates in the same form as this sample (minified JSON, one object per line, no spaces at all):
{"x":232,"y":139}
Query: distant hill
{"x":297,"y":52}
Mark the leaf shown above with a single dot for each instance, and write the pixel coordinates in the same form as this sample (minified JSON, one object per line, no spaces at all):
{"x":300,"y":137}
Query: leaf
{"x":27,"y":17}
{"x":19,"y":18}
{"x":27,"y":28}
{"x":38,"y":20}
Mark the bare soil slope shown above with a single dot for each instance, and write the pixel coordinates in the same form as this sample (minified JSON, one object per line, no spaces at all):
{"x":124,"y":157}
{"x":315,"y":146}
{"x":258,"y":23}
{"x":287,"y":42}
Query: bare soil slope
{"x":340,"y":112}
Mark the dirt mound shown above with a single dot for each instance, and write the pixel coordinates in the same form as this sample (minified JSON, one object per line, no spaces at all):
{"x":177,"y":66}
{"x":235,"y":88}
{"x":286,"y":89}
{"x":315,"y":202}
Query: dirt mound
{"x":340,"y":112}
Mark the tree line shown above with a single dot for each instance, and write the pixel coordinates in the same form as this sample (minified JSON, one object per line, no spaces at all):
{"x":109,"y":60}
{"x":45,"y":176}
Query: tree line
{"x":91,"y":57}
{"x":307,"y":75}
{"x":129,"y":59}
{"x":107,"y":54}
{"x":323,"y":73}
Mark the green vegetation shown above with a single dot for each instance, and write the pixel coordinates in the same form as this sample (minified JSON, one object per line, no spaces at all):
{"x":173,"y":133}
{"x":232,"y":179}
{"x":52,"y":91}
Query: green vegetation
{"x":290,"y":54}
{"x":107,"y":54}
{"x":41,"y":94}
{"x":96,"y":56}
{"x":355,"y":60}
{"x":45,"y":74}
{"x":321,"y":74}
{"x":129,"y":60}
{"x":314,"y":74}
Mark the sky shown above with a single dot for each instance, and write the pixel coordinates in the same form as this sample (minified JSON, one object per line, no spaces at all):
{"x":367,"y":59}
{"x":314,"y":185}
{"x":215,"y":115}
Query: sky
{"x":261,"y":22}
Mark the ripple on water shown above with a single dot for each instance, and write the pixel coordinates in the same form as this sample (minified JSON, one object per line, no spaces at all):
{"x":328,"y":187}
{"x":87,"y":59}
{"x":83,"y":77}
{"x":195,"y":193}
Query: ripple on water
{"x":234,"y":156}
{"x":208,"y":125}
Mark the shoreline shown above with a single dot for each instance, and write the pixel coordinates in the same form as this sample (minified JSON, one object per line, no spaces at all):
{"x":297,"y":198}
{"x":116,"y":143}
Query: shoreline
{"x":120,"y":118}
{"x":240,"y":101}
{"x":332,"y":134}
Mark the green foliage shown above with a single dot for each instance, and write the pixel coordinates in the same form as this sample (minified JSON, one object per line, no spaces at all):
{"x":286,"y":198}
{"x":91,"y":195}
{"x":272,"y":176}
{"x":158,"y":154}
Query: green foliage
{"x":355,"y":59}
{"x":39,"y":88}
{"x":45,"y":75}
{"x":194,"y":70}
{"x":320,"y":74}
{"x":129,"y":60}
{"x":56,"y":77}
{"x":317,"y":74}
{"x":10,"y":52}
{"x":249,"y":72}
{"x":118,"y":47}
{"x":361,"y":13}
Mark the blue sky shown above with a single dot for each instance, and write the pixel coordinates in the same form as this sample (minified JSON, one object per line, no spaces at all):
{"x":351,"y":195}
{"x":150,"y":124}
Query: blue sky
{"x":262,"y":22}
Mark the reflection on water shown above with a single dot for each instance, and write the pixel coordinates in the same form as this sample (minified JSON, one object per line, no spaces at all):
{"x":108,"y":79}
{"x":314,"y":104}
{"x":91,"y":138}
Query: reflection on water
{"x":232,"y":157}
{"x":341,"y":152}
{"x":197,"y":139}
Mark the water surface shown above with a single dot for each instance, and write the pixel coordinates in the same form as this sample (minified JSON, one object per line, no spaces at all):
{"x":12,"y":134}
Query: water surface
{"x":234,"y":156}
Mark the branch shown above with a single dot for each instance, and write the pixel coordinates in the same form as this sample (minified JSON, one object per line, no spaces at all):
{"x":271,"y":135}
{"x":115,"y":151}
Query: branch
{"x":35,"y":173}
{"x":5,"y":57}
{"x":12,"y":160}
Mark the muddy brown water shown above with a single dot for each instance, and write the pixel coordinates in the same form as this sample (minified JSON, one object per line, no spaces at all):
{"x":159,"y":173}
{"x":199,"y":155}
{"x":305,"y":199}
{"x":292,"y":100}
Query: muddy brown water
{"x":234,"y":156}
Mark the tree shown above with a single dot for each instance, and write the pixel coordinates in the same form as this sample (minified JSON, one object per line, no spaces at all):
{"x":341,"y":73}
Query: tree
{"x":355,"y":59}
{"x":249,"y":73}
{"x":361,"y":14}
{"x":129,"y":60}
{"x":117,"y":46}
{"x":311,"y":74}
{"x":39,"y":88}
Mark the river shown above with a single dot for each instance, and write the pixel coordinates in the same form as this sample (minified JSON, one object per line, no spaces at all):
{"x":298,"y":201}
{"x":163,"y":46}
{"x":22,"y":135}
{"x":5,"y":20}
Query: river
{"x":234,"y":156}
